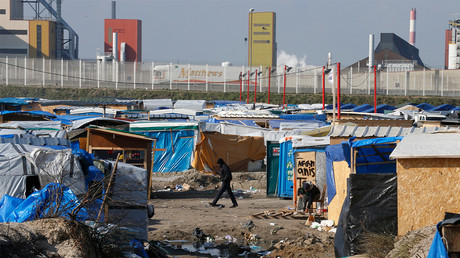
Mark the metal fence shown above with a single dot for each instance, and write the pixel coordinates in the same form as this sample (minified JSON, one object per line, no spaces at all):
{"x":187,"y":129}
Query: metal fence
{"x":152,"y":76}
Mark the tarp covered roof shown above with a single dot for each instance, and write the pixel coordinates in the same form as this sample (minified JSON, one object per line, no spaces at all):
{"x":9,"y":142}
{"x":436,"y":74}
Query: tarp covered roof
{"x":437,"y":145}
{"x":383,"y":131}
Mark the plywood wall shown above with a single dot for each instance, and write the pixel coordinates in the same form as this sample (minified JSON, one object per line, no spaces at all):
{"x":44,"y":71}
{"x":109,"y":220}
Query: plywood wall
{"x":427,"y":188}
{"x":341,"y":173}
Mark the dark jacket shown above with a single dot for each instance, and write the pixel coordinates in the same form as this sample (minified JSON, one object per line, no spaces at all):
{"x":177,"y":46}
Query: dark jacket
{"x":313,"y":191}
{"x":225,"y":173}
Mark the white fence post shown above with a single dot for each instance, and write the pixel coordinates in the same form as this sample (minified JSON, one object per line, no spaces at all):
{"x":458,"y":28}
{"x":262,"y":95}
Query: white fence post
{"x":170,"y":76}
{"x":442,"y":83}
{"x":296,"y":80}
{"x":25,"y":71}
{"x":423,"y":94}
{"x":62,"y":72}
{"x":225,"y":78}
{"x":116,"y":74}
{"x":79,"y":73}
{"x":206,"y":77}
{"x":188,"y":77}
{"x":6,"y":72}
{"x":98,"y":68}
{"x":135,"y":72}
{"x":43,"y":71}
{"x":153,"y":75}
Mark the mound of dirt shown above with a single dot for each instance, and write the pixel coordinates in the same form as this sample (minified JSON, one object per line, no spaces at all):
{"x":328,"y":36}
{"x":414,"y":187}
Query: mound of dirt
{"x":56,"y":237}
{"x":416,"y":243}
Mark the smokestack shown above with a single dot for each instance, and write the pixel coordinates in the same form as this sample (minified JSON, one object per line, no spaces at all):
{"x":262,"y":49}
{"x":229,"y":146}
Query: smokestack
{"x":412,"y":27}
{"x":114,"y":10}
{"x":115,"y":46}
{"x":371,"y":50}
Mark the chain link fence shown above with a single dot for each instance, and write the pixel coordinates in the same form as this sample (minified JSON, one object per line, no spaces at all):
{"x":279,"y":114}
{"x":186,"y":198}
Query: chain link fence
{"x":153,"y":76}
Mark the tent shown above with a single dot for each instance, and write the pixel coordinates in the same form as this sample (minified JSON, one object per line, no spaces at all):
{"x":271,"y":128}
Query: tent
{"x":239,"y":152}
{"x":23,"y":167}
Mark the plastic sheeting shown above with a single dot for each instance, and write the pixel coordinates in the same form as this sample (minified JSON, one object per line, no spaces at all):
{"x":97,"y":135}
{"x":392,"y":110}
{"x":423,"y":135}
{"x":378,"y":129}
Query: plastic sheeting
{"x":19,"y":161}
{"x":128,"y":207}
{"x":197,"y":105}
{"x":40,"y":204}
{"x":237,"y":151}
{"x":374,"y":158}
{"x":333,"y":153}
{"x":234,"y":129}
{"x":154,"y":104}
{"x":437,"y":248}
{"x":177,"y":150}
{"x":370,"y":206}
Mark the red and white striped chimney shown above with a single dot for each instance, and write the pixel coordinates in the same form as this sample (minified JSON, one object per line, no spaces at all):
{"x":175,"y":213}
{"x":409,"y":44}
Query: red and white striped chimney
{"x":412,"y":27}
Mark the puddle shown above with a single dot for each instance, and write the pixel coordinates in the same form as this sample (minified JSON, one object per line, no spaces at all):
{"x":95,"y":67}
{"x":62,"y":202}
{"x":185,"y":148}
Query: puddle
{"x":211,"y":249}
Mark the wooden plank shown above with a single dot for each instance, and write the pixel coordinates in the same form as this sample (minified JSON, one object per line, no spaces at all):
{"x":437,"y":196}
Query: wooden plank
{"x":150,"y":175}
{"x":452,"y":235}
{"x":376,"y":163}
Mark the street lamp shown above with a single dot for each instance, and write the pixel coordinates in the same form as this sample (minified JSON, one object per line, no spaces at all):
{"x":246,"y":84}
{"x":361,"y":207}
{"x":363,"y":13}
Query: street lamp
{"x":250,"y":38}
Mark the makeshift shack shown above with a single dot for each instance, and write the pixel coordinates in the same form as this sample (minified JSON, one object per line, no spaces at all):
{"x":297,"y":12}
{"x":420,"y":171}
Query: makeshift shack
{"x":174,"y":143}
{"x":302,"y":158}
{"x":368,"y":177}
{"x":135,"y":149}
{"x":239,"y":152}
{"x":428,"y":167}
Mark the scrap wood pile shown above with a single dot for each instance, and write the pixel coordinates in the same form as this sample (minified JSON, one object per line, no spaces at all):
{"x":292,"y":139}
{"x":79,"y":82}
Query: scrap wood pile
{"x":281,"y":214}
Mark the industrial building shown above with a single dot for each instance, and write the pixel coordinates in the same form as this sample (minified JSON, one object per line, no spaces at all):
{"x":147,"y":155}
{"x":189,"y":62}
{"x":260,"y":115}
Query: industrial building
{"x":452,"y":50}
{"x":47,"y":35}
{"x":127,"y":34}
{"x":262,"y":39}
{"x":393,"y":54}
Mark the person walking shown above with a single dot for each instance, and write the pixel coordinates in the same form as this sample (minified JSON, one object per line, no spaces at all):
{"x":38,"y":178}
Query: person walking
{"x":226,"y":178}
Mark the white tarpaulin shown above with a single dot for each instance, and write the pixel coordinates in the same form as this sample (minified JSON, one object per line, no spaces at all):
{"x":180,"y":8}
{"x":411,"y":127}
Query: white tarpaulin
{"x":153,"y":104}
{"x":17,"y":161}
{"x":197,"y":105}
{"x":439,"y":145}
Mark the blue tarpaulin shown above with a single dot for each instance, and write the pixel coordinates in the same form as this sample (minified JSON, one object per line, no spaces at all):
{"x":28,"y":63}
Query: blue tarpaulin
{"x":380,"y":109}
{"x":378,"y":151}
{"x":444,"y":107}
{"x":425,"y":106}
{"x":40,"y":204}
{"x":176,"y":149}
{"x":321,"y":117}
{"x":362,"y":107}
{"x":333,"y":153}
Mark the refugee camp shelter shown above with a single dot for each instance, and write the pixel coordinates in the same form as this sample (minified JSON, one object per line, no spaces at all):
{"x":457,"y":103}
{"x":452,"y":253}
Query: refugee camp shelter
{"x":302,"y":158}
{"x":24,"y":168}
{"x":174,"y":143}
{"x":241,"y":153}
{"x":355,"y":157}
{"x":428,"y":167}
{"x":135,"y":149}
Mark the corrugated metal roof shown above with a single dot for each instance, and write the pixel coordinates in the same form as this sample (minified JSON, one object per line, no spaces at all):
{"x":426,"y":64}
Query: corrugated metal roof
{"x":390,"y":131}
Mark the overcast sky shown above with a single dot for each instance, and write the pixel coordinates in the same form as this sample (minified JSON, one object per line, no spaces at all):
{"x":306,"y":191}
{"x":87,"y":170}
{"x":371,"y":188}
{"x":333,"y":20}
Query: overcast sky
{"x":213,"y":31}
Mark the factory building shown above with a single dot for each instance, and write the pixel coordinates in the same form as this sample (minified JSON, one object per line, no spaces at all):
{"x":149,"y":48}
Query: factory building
{"x":41,"y":37}
{"x":452,"y":46}
{"x":392,"y":54}
{"x":262,"y":49}
{"x":128,"y":34}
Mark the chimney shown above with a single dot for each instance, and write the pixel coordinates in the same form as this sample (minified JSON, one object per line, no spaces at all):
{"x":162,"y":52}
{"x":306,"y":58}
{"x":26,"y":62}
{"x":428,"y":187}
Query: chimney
{"x":412,"y":27}
{"x":114,"y":10}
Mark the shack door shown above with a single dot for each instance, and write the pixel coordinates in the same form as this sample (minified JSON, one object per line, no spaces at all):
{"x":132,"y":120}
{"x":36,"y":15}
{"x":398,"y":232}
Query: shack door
{"x":273,"y":156}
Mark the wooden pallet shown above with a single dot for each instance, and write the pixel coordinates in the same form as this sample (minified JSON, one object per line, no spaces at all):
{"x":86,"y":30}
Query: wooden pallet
{"x":280,"y":214}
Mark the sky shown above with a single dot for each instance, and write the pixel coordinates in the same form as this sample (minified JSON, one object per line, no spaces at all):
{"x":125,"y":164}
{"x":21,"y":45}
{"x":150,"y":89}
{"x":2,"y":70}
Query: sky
{"x":213,"y":31}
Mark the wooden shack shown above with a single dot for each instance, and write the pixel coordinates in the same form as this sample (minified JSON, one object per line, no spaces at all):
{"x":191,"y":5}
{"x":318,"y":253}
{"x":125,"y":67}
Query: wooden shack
{"x":135,"y":149}
{"x":428,"y":169}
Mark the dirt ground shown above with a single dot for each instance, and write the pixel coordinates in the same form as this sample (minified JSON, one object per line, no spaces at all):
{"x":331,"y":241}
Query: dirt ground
{"x":179,"y":213}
